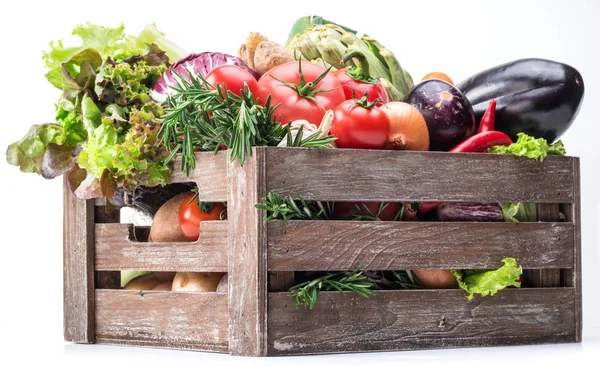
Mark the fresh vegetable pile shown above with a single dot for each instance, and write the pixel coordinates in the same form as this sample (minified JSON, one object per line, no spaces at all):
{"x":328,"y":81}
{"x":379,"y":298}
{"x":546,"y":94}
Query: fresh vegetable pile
{"x":129,"y":105}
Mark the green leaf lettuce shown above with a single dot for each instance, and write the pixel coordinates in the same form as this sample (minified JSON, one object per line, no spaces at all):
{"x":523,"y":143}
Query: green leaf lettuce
{"x":488,"y":282}
{"x":530,"y":147}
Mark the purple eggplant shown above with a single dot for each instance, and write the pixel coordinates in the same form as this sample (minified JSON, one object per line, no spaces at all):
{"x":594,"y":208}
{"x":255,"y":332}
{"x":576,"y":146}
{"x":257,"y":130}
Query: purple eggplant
{"x":483,"y":212}
{"x":448,"y":113}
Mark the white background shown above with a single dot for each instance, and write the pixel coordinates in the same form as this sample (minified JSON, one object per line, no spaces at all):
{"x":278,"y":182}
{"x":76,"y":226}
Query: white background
{"x":457,"y":37}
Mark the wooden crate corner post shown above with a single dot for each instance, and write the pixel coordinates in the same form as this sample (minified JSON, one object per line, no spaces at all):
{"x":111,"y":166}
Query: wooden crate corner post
{"x":247,"y":256}
{"x":78,"y":268}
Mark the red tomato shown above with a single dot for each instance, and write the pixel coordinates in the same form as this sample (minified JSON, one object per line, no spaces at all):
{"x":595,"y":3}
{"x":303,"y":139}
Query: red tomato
{"x":346,"y":209}
{"x":359,"y":127}
{"x":190,"y":216}
{"x":232,"y":78}
{"x":360,"y":87}
{"x":297,"y":99}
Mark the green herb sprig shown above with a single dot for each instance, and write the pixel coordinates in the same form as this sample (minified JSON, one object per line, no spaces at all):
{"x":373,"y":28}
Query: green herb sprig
{"x":289,"y":209}
{"x":307,"y":292}
{"x":200,"y":118}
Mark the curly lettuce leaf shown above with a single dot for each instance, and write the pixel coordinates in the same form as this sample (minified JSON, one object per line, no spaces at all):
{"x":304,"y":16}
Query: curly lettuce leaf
{"x":530,"y":147}
{"x":98,"y":43}
{"x":132,"y":157}
{"x":151,"y":35}
{"x":488,"y":282}
{"x":519,"y":212}
{"x":46,"y":150}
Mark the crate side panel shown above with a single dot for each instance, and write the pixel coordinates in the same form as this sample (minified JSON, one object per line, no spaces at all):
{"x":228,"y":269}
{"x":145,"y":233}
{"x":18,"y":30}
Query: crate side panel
{"x":182,"y":320}
{"x":369,"y":175}
{"x":78,"y":270}
{"x":345,"y":245}
{"x":116,"y":251}
{"x":407,"y":320}
{"x":247,"y":275}
{"x":210,"y":175}
{"x":574,"y":215}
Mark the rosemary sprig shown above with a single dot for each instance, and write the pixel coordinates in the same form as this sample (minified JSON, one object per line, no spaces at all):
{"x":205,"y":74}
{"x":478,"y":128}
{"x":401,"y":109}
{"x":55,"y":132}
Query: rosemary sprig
{"x":199,"y":118}
{"x":307,"y":292}
{"x":289,"y":209}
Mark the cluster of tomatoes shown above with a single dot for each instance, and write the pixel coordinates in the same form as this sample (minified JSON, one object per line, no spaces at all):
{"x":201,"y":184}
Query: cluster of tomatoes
{"x":305,"y":91}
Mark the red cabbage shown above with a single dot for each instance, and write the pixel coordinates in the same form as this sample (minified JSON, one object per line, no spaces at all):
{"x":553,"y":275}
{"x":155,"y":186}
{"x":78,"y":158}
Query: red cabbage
{"x":203,"y":62}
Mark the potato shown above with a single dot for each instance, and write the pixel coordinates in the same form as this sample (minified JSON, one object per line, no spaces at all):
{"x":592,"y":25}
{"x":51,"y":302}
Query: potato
{"x":163,"y":286}
{"x":436,"y":278}
{"x":165,"y":224}
{"x":165,"y":276}
{"x":144,"y":282}
{"x":196,"y":281}
{"x":223,"y":284}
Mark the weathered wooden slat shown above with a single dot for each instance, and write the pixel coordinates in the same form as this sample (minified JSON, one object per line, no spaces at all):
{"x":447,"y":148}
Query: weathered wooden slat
{"x":210,"y":175}
{"x":345,"y":245}
{"x":419,"y":319}
{"x":107,"y":279}
{"x":547,"y":212}
{"x":182,"y":320}
{"x":369,"y":175}
{"x":78,"y":270}
{"x":247,"y":275}
{"x":115,"y":250}
{"x":574,"y":215}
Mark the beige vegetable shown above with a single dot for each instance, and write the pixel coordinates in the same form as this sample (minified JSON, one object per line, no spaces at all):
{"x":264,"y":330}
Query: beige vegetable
{"x":165,"y":276}
{"x":163,"y":286}
{"x":261,"y":55}
{"x":436,"y":278}
{"x":248,"y":49}
{"x":144,"y":282}
{"x":165,"y":224}
{"x":308,"y":128}
{"x":197,"y":281}
{"x":270,"y":54}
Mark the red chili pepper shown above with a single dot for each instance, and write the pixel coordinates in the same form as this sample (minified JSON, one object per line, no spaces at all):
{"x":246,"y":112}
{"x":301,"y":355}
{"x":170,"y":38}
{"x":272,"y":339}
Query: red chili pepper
{"x":483,"y":141}
{"x":355,"y":80}
{"x":489,"y":118}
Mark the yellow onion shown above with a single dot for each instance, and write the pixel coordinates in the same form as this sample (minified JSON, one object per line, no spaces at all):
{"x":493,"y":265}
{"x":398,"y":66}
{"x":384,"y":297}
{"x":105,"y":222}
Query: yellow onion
{"x":408,"y":127}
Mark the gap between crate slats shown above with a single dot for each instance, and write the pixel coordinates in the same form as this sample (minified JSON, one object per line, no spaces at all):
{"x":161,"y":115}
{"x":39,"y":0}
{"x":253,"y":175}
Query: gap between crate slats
{"x":182,"y":320}
{"x":345,"y":245}
{"x":418,"y":319}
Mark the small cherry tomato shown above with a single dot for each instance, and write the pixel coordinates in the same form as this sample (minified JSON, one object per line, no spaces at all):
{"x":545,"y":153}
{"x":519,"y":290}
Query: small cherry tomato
{"x":191,"y":215}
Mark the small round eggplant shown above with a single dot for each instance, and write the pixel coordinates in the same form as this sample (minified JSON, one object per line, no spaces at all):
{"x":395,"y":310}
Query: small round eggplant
{"x":449,"y":115}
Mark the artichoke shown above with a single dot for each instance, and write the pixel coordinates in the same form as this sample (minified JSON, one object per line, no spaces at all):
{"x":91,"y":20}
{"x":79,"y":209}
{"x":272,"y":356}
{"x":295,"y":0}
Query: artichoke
{"x":328,"y":44}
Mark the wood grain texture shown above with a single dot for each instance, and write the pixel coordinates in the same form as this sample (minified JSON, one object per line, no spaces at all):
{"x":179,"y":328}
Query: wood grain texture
{"x":247,"y":275}
{"x":546,"y":212}
{"x":369,"y":175}
{"x":181,"y":320}
{"x":107,"y":279}
{"x":345,"y":245}
{"x":116,"y":250}
{"x":419,"y":319}
{"x":574,"y":215}
{"x":210,"y":175}
{"x":78,"y":270}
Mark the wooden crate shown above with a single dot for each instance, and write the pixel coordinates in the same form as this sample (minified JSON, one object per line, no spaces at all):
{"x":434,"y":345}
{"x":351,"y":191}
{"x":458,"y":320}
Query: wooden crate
{"x":257,"y":317}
